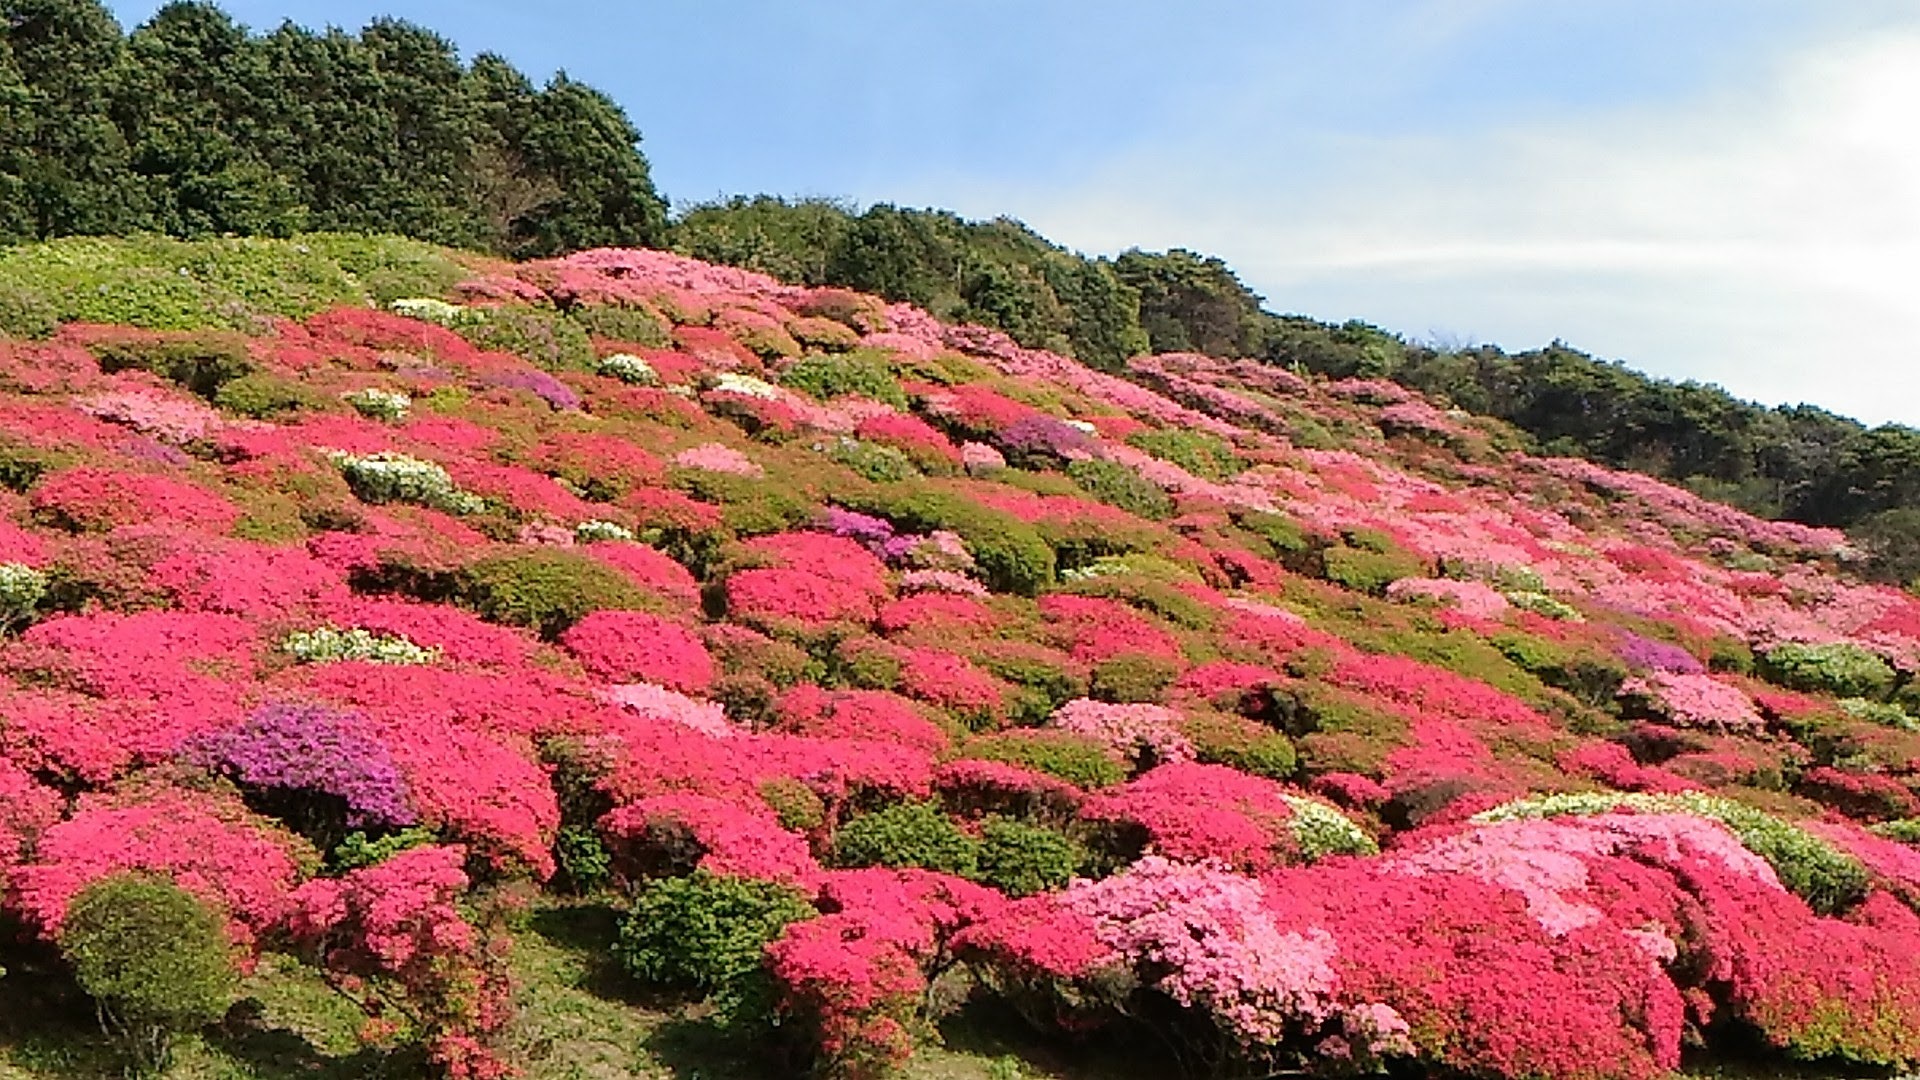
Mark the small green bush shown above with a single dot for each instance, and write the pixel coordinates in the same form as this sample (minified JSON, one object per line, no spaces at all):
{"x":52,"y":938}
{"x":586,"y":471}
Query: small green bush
{"x":262,"y":395}
{"x":866,"y":372}
{"x":155,"y":958}
{"x":1074,"y":758}
{"x":706,"y":933}
{"x":582,"y":857}
{"x":540,"y":336}
{"x":1220,"y":739}
{"x":1840,"y":668}
{"x":908,"y":834}
{"x":359,"y":850}
{"x":202,"y":362}
{"x":872,"y":461}
{"x":1368,"y":571}
{"x":1285,"y":540}
{"x":1132,"y":677}
{"x":1202,"y":454}
{"x":1020,"y":859}
{"x":546,"y":590}
{"x":25,"y":313}
{"x":1117,"y":485}
{"x":388,"y":268}
{"x":629,"y":325}
{"x":1012,"y":555}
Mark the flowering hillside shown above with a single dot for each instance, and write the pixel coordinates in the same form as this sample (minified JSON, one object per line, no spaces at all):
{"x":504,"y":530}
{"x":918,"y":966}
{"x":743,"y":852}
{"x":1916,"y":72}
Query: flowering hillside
{"x":872,"y":669}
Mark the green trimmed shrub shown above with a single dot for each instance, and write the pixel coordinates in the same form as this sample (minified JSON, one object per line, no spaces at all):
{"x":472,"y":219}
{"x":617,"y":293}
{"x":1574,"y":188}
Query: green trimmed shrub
{"x":25,"y":313}
{"x":1012,"y":555}
{"x":1202,"y":454}
{"x":546,"y":590}
{"x":1224,"y":739}
{"x":540,"y":336}
{"x":154,"y":957}
{"x":262,"y":395}
{"x":707,"y":933}
{"x":873,"y":461}
{"x":1132,"y":677}
{"x":1840,"y":668}
{"x":908,"y":834}
{"x":202,"y":362}
{"x":1368,"y":571}
{"x":1020,"y":859}
{"x":1285,"y":540}
{"x":389,"y":268}
{"x":1074,"y":758}
{"x":629,"y":325}
{"x":866,"y":372}
{"x":1117,"y":485}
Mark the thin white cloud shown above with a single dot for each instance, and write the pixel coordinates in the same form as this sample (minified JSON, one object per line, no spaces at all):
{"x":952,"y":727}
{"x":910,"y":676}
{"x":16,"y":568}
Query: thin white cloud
{"x":1766,"y":237}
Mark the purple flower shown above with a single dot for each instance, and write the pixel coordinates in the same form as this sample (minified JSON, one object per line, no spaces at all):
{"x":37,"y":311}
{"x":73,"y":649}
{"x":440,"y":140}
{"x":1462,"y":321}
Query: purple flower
{"x":313,"y":748}
{"x":1646,"y":654}
{"x":864,"y":528}
{"x":539,"y":383}
{"x":1045,"y":435}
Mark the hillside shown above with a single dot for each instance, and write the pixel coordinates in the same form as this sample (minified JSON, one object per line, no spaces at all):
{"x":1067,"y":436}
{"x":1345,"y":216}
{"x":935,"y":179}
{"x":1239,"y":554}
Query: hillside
{"x":617,"y":664}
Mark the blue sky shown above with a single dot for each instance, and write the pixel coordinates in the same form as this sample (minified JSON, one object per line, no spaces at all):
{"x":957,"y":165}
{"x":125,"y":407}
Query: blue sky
{"x":1724,"y":190}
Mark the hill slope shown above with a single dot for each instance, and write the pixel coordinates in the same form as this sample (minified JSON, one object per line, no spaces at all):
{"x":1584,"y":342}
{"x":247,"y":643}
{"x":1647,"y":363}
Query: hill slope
{"x":526,"y":651}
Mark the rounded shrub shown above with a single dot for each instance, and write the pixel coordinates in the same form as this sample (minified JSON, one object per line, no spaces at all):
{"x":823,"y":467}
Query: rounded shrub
{"x":1133,"y":677}
{"x":540,"y":336}
{"x":1075,"y":758}
{"x":866,"y":372}
{"x":909,"y":834}
{"x":546,"y":590}
{"x":1020,"y":859}
{"x":706,"y":933}
{"x":1117,"y":485}
{"x":156,"y":959}
{"x":1225,"y":739}
{"x":1840,"y":668}
{"x":630,"y":325}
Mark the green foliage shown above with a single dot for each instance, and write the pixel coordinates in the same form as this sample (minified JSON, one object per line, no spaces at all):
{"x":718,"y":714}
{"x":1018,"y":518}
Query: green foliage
{"x":262,"y":395}
{"x":706,"y":933}
{"x":1839,"y":668}
{"x":628,"y":325}
{"x":1074,"y":758}
{"x":907,"y":834}
{"x":155,"y":958}
{"x":540,"y":336}
{"x":872,"y":461}
{"x":1202,"y":454}
{"x":191,"y":126}
{"x":1011,"y":554}
{"x":582,"y":858}
{"x":1284,"y":538}
{"x":1117,"y":485}
{"x":1020,"y":859}
{"x":547,"y":590}
{"x":1236,"y":741}
{"x":1133,"y":677}
{"x":866,"y":372}
{"x":389,"y":268}
{"x":202,"y":363}
{"x":1367,"y":571}
{"x":359,"y":850}
{"x":1192,"y":303}
{"x":797,"y":806}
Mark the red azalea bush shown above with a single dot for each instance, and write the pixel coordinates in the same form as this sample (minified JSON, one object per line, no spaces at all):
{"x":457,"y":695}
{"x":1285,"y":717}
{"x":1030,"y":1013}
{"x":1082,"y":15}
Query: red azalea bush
{"x":392,"y":937}
{"x":88,"y":499}
{"x":208,"y":844}
{"x":632,"y":646}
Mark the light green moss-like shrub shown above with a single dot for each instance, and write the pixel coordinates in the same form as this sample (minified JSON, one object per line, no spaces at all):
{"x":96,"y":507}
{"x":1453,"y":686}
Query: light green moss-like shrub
{"x":1117,"y":485}
{"x":867,"y":373}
